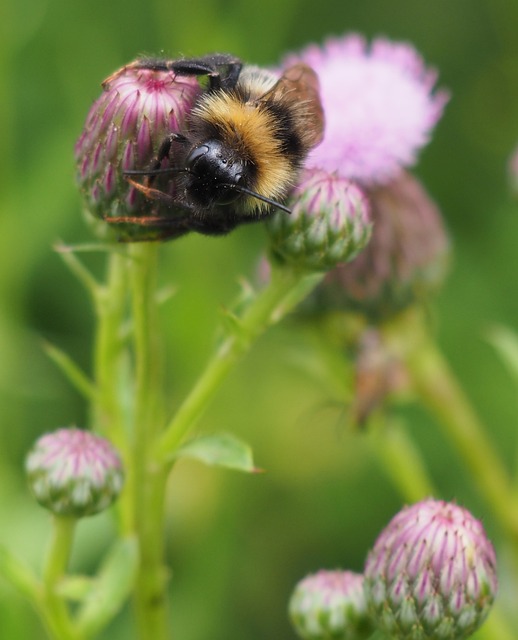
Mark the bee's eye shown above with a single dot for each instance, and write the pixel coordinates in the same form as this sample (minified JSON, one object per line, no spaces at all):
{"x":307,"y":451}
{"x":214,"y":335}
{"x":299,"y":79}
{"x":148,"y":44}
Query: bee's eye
{"x":196,"y":155}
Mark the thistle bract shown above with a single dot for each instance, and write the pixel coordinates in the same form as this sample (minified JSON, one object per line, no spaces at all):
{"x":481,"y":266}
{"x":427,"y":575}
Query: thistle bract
{"x":123,"y":131}
{"x":74,"y":473}
{"x":330,"y":605}
{"x":329,"y":223}
{"x":431,"y":574}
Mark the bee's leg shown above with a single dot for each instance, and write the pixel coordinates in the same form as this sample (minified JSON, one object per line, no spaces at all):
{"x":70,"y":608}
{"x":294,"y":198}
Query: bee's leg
{"x":221,"y":69}
{"x":153,"y":194}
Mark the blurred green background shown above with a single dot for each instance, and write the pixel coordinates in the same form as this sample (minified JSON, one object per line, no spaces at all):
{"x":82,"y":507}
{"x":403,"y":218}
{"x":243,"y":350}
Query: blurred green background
{"x":238,"y":544}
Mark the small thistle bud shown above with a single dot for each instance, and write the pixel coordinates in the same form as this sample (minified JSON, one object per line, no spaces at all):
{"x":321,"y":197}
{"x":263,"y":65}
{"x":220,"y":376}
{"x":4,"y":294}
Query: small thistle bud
{"x":431,"y":574}
{"x":329,"y":223}
{"x":330,"y":605}
{"x":404,"y":263}
{"x":74,"y":472}
{"x":123,"y":131}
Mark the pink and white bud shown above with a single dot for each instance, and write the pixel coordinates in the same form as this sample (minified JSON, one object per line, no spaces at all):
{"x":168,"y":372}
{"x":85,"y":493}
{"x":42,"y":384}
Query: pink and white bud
{"x":330,"y":604}
{"x":74,"y":473}
{"x":329,"y":223}
{"x":123,"y":131}
{"x":431,"y":574}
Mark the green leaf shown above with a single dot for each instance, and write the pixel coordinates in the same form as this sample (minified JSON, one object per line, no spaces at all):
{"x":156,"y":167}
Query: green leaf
{"x":221,"y":450}
{"x":505,"y":341}
{"x":71,"y":370}
{"x":76,"y":588}
{"x":18,"y":574}
{"x":111,"y":587}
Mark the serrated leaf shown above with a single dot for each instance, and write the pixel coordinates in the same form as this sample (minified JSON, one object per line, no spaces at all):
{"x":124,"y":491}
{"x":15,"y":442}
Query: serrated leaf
{"x":112,"y":586}
{"x":505,"y":341}
{"x":220,"y":450}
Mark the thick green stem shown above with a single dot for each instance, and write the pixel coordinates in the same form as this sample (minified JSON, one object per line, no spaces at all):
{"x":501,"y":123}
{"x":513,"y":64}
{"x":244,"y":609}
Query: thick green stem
{"x":53,"y":607}
{"x":149,"y":478}
{"x":439,"y":390}
{"x":109,"y":408}
{"x":284,"y":291}
{"x":110,"y":307}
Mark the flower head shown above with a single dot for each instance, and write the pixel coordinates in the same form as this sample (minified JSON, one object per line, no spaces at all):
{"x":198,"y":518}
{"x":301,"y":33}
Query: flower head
{"x":123,"y":131}
{"x":379,"y":105}
{"x":405,"y":261}
{"x":431,"y":574}
{"x":74,"y":472}
{"x":329,"y":223}
{"x":330,"y":604}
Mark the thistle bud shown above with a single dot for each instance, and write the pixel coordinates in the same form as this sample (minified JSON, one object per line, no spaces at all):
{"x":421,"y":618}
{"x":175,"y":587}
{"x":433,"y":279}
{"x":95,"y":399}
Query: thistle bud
{"x":405,"y":261}
{"x":329,"y":223}
{"x":123,"y":131}
{"x":74,"y":473}
{"x":330,"y":604}
{"x":431,"y":574}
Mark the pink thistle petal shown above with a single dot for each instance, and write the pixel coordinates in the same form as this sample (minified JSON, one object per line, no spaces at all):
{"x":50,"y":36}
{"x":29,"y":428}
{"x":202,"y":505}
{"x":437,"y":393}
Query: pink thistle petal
{"x":379,"y":107}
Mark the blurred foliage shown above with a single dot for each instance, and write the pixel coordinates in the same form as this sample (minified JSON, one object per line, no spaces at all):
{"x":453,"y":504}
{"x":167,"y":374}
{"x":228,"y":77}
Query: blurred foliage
{"x":237,"y":544}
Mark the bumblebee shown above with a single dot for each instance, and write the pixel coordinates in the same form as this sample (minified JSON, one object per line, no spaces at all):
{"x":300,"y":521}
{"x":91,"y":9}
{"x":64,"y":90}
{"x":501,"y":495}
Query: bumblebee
{"x":243,"y":146}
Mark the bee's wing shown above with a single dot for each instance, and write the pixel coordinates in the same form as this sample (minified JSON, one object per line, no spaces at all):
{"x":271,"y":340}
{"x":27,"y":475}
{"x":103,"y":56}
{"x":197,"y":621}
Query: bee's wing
{"x":300,"y":86}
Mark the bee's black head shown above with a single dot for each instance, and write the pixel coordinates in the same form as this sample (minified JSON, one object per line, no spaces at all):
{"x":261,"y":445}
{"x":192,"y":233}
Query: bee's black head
{"x":214,"y":174}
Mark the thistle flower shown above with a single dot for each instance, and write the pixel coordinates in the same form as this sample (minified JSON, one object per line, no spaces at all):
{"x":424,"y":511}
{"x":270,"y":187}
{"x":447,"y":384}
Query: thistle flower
{"x":404,"y":263}
{"x":431,"y":574}
{"x":74,"y":472}
{"x":379,"y":104}
{"x":330,"y":605}
{"x":329,"y":223}
{"x":123,"y":130}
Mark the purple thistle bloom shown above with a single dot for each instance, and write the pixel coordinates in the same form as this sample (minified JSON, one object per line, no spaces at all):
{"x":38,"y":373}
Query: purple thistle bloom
{"x":74,"y":472}
{"x":329,"y":223}
{"x":330,"y":604}
{"x":431,"y":574}
{"x":123,"y":130}
{"x":379,"y":104}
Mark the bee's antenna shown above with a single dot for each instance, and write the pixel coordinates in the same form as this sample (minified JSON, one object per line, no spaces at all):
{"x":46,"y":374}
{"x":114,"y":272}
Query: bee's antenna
{"x":154,"y":172}
{"x":248,"y":192}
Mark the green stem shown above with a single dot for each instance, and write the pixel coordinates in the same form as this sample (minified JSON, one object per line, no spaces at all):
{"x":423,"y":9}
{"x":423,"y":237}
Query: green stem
{"x":402,"y":461}
{"x":285,"y":290}
{"x":53,"y":607}
{"x":441,"y":393}
{"x":110,"y":307}
{"x":109,"y":414}
{"x":149,"y":479}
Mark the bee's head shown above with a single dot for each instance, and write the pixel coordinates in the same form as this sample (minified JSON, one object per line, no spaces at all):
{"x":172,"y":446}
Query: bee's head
{"x":216,"y":175}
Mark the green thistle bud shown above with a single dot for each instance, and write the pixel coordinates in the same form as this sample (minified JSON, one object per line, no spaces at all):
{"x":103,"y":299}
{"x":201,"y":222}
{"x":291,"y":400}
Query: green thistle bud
{"x":329,"y":223}
{"x":431,"y":574}
{"x":330,"y":605}
{"x":405,"y":261}
{"x":123,"y":131}
{"x":74,"y":472}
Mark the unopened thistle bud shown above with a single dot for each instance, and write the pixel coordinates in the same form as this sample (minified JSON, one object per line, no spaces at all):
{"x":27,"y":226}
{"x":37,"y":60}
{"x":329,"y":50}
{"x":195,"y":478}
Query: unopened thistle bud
{"x":123,"y":131}
{"x":330,"y":605}
{"x":405,"y":261}
{"x":431,"y":574}
{"x":329,"y":223}
{"x":74,"y":473}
